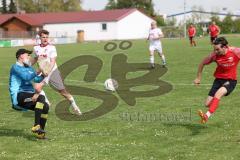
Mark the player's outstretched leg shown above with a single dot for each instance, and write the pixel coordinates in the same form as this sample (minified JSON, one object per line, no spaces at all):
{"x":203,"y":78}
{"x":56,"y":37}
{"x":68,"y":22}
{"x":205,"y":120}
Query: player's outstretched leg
{"x":213,"y":105}
{"x":212,"y":108}
{"x":70,"y":98}
{"x":74,"y":105}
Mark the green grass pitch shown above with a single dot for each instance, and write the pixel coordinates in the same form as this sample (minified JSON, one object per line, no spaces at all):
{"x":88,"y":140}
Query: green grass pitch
{"x":177,"y":135}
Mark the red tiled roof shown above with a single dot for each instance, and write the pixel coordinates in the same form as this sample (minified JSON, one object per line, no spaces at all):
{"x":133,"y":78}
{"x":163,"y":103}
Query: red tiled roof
{"x":39,"y":19}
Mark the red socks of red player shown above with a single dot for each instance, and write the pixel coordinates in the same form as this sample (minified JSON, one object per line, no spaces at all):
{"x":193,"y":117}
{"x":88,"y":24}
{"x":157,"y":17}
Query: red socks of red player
{"x":213,"y":105}
{"x":212,"y":108}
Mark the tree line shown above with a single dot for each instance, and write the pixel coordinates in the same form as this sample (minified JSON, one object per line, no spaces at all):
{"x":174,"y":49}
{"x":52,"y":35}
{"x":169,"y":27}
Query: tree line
{"x":35,"y":6}
{"x":228,"y":24}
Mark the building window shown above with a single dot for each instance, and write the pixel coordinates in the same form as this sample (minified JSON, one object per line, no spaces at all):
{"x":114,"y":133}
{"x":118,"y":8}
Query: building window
{"x":104,"y":26}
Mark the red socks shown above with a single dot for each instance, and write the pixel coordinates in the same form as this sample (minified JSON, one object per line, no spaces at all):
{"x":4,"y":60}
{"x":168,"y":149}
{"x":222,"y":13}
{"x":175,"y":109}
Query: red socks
{"x":213,"y":105}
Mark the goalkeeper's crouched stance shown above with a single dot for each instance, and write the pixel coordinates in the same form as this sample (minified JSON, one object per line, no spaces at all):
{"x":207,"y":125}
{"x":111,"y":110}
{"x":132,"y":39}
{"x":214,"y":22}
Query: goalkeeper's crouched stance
{"x":23,"y":94}
{"x":39,"y":106}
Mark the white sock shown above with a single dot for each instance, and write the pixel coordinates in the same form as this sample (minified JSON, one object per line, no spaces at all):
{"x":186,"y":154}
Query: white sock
{"x":208,"y":114}
{"x":73,"y":103}
{"x":163,"y":58}
{"x":152,"y":59}
{"x":46,"y":99}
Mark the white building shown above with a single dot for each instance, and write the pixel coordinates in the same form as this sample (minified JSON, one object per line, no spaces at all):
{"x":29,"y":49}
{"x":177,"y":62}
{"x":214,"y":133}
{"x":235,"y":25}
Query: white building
{"x":97,"y":25}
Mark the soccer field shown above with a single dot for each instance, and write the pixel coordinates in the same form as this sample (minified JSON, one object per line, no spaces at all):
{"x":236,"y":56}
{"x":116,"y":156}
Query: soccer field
{"x":156,"y":127}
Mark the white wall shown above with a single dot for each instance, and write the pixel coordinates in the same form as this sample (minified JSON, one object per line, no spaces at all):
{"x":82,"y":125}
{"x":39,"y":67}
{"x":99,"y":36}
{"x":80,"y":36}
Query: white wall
{"x":134,"y":26}
{"x":92,"y":31}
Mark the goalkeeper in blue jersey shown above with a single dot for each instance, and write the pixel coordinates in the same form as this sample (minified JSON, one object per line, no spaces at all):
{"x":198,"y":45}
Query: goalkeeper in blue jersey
{"x":23,"y":94}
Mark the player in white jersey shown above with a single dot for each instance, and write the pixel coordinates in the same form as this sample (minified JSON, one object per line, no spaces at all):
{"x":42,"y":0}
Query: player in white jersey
{"x":47,"y":52}
{"x":154,"y":36}
{"x":38,"y":40}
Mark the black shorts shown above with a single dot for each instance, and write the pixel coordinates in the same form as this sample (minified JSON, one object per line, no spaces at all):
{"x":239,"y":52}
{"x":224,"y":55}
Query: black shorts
{"x":191,"y":38}
{"x":213,"y":39}
{"x":218,"y":83}
{"x":24,"y":100}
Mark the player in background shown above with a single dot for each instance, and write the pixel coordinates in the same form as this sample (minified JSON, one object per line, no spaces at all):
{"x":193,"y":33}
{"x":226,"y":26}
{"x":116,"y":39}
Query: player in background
{"x":191,"y":34}
{"x":154,"y":36}
{"x":47,"y":52}
{"x":37,"y":38}
{"x":214,"y":31}
{"x":227,"y":59}
{"x":23,"y":95}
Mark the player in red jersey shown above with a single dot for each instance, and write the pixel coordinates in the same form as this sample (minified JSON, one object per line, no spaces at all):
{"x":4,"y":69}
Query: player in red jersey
{"x":191,"y":34}
{"x":227,"y":59}
{"x":214,"y":31}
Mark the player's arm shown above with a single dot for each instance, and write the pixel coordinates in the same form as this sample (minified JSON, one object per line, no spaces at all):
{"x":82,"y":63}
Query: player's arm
{"x":33,"y":60}
{"x":38,"y":85}
{"x":207,"y":60}
{"x":53,"y":57}
{"x":52,"y":63}
{"x":160,"y":35}
{"x":148,"y":38}
{"x":236,"y":51}
{"x":35,"y":96}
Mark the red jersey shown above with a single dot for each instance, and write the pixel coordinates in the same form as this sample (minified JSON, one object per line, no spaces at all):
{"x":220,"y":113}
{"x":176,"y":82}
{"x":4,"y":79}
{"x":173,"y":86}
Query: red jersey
{"x":191,"y":31}
{"x":213,"y":30}
{"x":226,"y":64}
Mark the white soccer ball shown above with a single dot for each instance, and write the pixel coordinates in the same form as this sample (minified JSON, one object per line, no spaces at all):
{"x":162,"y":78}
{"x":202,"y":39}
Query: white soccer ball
{"x":111,"y":84}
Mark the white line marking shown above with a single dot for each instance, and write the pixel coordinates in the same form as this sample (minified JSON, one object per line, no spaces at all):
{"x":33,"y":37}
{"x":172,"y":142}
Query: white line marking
{"x":102,"y":83}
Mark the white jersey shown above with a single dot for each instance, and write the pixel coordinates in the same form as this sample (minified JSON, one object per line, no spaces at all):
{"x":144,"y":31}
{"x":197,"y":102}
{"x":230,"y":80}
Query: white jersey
{"x":155,"y":33}
{"x":46,"y":53}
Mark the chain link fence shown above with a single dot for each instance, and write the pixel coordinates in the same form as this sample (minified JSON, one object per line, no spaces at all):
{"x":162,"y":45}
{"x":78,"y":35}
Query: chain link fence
{"x":17,"y":34}
{"x":173,"y":31}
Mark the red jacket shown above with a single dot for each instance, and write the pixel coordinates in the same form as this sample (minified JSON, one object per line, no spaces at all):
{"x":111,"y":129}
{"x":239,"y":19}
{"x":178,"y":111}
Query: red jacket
{"x":191,"y":31}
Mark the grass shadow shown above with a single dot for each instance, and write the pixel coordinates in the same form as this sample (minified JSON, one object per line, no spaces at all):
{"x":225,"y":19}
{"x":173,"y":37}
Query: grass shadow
{"x":6,"y":132}
{"x":194,"y":128}
{"x":28,"y":114}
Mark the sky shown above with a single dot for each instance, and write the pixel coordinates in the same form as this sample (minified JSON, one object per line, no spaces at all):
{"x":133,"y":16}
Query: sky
{"x":176,"y":6}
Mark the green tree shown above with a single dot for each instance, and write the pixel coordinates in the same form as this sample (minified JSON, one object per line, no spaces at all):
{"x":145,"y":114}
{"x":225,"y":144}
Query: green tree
{"x":144,"y":5}
{"x":216,"y":19}
{"x":32,"y":6}
{"x":236,"y":25}
{"x":171,"y":21}
{"x":28,"y":6}
{"x":72,"y":5}
{"x":112,"y":4}
{"x":12,"y":7}
{"x":227,"y":24}
{"x":160,"y":20}
{"x":4,"y":6}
